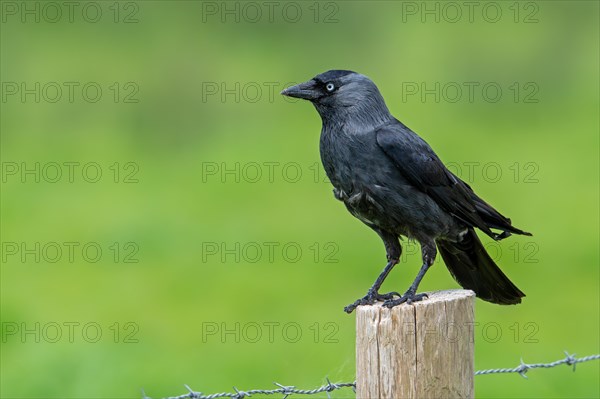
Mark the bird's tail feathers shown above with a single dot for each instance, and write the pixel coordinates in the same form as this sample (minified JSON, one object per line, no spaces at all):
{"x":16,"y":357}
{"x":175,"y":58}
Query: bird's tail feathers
{"x":473,"y":269}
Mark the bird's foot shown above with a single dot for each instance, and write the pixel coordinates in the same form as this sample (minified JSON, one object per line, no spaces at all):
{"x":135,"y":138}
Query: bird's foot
{"x":408,"y":297}
{"x":369,"y":299}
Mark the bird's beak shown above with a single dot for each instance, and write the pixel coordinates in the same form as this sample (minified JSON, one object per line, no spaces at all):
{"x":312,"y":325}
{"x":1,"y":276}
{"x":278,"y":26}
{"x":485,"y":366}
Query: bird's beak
{"x":306,"y":91}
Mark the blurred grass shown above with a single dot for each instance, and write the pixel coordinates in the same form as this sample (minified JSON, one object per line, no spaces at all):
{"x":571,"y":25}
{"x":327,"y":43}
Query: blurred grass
{"x":172,"y":134}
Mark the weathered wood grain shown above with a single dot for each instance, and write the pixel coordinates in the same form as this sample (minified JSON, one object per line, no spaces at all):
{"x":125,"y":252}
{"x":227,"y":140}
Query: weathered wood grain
{"x":422,"y":350}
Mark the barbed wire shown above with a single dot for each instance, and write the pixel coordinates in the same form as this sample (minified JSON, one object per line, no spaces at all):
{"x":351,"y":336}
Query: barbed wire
{"x":522,"y":368}
{"x":283,"y":390}
{"x":286,"y":391}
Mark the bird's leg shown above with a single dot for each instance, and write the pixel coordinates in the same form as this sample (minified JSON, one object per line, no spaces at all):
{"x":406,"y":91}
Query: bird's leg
{"x":428,"y":251}
{"x":373,"y":294}
{"x":393,"y":250}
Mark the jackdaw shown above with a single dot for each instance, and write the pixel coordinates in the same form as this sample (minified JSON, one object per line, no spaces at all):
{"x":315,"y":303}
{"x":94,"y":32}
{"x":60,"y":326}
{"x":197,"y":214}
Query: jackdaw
{"x":389,"y":178}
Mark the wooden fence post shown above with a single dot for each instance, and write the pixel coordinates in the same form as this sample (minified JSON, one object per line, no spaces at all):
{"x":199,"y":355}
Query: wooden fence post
{"x":423,"y":350}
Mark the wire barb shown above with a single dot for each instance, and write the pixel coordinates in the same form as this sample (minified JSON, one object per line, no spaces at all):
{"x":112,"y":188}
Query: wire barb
{"x":288,"y":390}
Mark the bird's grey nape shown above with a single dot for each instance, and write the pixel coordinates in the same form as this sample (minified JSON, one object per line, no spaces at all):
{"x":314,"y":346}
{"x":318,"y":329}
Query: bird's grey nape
{"x":357,"y":102}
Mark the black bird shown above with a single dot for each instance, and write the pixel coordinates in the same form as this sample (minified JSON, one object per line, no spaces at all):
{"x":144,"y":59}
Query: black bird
{"x":389,"y":178}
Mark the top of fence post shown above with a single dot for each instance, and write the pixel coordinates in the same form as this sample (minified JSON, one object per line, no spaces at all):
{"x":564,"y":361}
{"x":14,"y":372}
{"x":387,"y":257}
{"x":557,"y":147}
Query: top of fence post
{"x":419,"y":350}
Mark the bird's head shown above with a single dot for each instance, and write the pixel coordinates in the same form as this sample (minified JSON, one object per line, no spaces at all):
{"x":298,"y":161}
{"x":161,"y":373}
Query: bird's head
{"x":341,"y":93}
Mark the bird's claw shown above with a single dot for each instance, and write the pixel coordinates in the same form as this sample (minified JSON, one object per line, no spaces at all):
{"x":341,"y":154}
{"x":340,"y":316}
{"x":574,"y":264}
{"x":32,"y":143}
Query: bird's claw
{"x":369,"y":299}
{"x":408,"y":297}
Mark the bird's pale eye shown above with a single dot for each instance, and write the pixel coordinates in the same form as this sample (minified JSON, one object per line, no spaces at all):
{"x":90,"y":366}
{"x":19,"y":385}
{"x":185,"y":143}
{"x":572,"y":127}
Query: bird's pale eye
{"x":330,"y":86}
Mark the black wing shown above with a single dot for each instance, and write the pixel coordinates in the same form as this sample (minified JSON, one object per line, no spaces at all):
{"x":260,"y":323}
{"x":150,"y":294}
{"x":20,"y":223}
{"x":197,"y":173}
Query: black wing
{"x":417,"y":162}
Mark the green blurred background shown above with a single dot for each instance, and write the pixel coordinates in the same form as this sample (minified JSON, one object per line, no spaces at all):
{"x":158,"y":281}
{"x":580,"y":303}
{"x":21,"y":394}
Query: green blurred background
{"x":197,"y":96}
